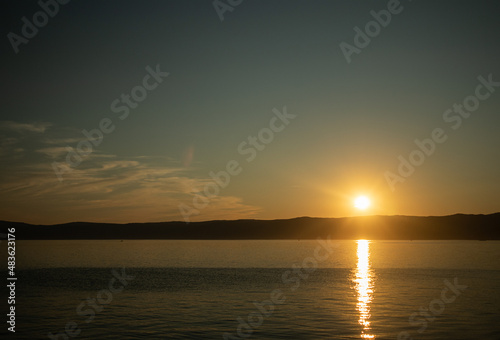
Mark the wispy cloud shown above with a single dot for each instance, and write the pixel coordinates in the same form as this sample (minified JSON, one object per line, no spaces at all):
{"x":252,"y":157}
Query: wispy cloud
{"x":109,"y":189}
{"x":38,"y":127}
{"x":104,"y":188}
{"x":61,"y":141}
{"x":8,"y":146}
{"x":53,"y":152}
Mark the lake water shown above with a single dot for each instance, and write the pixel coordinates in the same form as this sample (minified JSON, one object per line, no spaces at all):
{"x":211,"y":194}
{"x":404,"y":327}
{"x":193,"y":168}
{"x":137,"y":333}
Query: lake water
{"x":290,"y":289}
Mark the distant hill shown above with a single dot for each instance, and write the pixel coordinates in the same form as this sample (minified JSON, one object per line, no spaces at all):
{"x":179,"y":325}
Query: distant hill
{"x":453,"y":227}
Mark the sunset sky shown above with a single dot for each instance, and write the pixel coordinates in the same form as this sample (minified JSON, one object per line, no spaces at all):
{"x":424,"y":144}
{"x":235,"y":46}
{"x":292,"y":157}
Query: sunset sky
{"x":348,"y":122}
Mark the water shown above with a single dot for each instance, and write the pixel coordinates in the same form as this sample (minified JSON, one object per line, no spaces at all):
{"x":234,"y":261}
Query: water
{"x":205,"y":289}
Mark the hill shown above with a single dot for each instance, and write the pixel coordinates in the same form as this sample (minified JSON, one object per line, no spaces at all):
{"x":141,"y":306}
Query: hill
{"x":453,"y":227}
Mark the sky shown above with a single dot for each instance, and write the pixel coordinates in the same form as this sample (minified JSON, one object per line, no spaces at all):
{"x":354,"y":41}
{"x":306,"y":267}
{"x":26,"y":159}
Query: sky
{"x":142,"y":111}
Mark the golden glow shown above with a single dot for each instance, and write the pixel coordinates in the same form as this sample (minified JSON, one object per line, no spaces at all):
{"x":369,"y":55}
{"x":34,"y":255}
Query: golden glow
{"x":364,"y":287}
{"x":362,"y":202}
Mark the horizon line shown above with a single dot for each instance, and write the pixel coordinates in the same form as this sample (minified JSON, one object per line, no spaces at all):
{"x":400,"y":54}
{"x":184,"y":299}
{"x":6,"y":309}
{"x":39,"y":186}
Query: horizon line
{"x":253,"y":219}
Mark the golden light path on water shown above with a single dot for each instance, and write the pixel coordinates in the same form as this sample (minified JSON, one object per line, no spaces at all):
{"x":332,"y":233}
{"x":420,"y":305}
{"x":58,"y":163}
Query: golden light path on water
{"x":364,"y":287}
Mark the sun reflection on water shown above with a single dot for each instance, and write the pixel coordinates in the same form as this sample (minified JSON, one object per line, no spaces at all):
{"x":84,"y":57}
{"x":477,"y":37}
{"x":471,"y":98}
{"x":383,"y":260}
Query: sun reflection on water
{"x":364,"y":288}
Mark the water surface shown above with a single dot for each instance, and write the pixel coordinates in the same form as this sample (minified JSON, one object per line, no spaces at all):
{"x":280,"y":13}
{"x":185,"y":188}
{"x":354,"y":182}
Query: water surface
{"x":205,"y":289}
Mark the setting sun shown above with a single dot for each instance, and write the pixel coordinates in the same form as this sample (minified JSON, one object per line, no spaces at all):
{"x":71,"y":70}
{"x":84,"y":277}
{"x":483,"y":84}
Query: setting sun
{"x":362,"y":202}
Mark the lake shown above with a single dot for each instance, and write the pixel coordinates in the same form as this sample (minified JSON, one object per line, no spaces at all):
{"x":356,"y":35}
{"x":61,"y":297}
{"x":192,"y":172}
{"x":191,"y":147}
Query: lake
{"x":272,"y":289}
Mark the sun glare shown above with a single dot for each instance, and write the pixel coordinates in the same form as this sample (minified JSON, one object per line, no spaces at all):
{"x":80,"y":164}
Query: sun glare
{"x":362,"y":202}
{"x":364,"y":288}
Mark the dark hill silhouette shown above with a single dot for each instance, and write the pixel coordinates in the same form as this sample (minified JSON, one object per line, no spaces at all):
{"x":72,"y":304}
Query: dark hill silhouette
{"x":453,"y":227}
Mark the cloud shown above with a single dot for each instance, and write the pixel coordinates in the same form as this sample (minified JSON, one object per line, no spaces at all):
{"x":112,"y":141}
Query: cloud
{"x":39,"y":127}
{"x":61,"y":141}
{"x":7,"y":146}
{"x":53,"y":152}
{"x":109,"y":189}
{"x":103,"y":188}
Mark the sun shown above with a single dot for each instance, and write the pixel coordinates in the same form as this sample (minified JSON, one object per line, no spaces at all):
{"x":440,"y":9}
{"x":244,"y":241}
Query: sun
{"x":362,"y":202}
